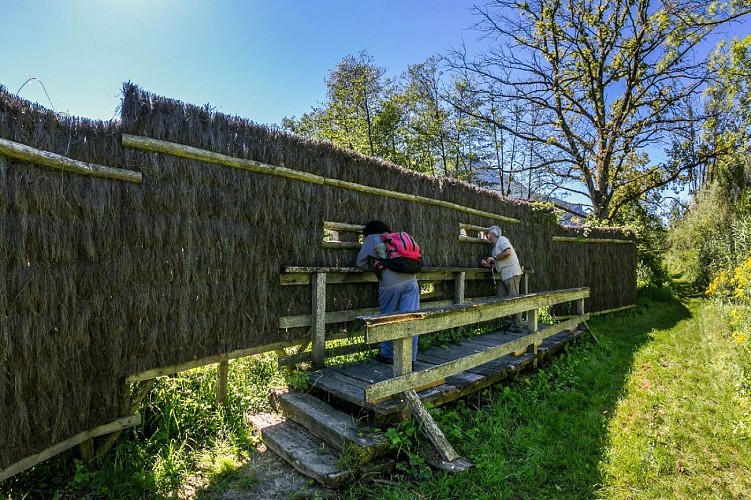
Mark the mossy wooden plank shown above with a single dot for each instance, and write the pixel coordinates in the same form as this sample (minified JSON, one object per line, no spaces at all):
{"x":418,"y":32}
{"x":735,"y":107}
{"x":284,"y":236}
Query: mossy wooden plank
{"x":334,"y":427}
{"x":348,"y":390}
{"x":117,"y":425}
{"x":59,"y":162}
{"x":296,"y":275}
{"x":389,"y":327}
{"x":404,"y":382}
{"x":429,"y":427}
{"x":306,"y":453}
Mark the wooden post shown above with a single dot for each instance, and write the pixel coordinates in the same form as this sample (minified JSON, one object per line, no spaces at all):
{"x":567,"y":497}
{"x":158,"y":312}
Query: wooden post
{"x":87,"y":450}
{"x":459,"y":279}
{"x":319,"y":319}
{"x":532,"y":315}
{"x":221,"y":383}
{"x":402,"y":356}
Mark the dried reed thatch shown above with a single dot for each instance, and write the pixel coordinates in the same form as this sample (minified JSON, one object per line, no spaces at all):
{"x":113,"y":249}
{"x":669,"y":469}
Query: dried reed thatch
{"x":100,"y":279}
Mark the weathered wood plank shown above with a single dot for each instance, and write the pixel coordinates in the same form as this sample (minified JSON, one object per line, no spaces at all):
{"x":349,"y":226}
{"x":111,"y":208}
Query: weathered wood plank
{"x":59,"y":162}
{"x":571,"y":239}
{"x":470,"y":239}
{"x":295,"y":275}
{"x":346,"y":245}
{"x":389,"y":327}
{"x":306,"y":453}
{"x":193,"y":153}
{"x":340,"y":386}
{"x":459,"y":280}
{"x":318,"y":301}
{"x":117,"y":425}
{"x":217,"y":358}
{"x":343,"y":226}
{"x":404,"y":382}
{"x":334,"y":427}
{"x":221,"y":383}
{"x":429,"y":427}
{"x":352,"y":314}
{"x":198,"y":154}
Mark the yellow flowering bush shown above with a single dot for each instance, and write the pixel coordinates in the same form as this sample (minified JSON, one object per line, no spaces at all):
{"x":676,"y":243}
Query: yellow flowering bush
{"x":735,"y":288}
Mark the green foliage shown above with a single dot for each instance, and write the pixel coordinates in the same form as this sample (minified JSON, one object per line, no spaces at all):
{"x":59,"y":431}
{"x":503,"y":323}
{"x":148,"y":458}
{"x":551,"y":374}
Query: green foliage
{"x":715,"y":233}
{"x":651,"y":241}
{"x":183,"y":435}
{"x":298,"y":380}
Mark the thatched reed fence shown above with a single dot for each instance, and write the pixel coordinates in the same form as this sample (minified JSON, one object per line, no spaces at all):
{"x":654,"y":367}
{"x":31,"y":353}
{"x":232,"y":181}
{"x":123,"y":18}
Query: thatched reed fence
{"x":157,"y":242}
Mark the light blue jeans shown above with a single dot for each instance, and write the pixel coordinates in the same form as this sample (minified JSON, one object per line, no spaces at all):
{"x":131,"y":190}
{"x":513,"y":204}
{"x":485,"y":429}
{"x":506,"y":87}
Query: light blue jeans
{"x":400,"y":298}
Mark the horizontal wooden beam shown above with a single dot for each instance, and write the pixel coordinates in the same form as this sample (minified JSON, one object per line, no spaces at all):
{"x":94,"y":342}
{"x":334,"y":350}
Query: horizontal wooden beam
{"x":381,"y":390}
{"x":348,"y":245}
{"x":217,"y":358}
{"x":343,"y":226}
{"x":473,"y":227}
{"x":301,"y":275}
{"x":470,"y":239}
{"x":392,"y":326}
{"x":60,"y":162}
{"x":567,"y":239}
{"x":198,"y":154}
{"x":301,"y":320}
{"x":193,"y":153}
{"x":117,"y":425}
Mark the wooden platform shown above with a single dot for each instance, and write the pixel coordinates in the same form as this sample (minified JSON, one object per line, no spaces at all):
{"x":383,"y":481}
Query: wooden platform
{"x":347,"y":382}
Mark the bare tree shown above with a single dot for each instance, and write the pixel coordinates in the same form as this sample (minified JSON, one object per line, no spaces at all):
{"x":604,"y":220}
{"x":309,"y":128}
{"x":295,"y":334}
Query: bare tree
{"x":608,"y":77}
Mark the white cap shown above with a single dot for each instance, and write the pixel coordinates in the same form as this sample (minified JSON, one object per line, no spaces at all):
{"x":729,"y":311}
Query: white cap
{"x":495,"y":230}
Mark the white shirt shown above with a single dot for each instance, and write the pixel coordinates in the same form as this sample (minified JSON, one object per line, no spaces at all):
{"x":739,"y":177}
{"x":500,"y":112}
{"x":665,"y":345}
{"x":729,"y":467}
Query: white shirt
{"x":508,"y":267}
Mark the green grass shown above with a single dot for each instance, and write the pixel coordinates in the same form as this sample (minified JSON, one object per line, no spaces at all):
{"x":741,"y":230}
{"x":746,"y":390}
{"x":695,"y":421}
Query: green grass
{"x":659,"y":408}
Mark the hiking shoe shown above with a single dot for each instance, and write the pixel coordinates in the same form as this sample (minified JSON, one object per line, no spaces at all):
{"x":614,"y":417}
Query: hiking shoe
{"x":383,"y":359}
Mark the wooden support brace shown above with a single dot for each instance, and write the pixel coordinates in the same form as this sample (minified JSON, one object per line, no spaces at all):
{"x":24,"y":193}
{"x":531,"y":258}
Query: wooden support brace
{"x":221,"y":383}
{"x":319,"y":319}
{"x":429,"y":427}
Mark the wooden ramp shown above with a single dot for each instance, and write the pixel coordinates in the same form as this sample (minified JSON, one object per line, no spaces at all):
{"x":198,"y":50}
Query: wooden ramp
{"x":346,"y":383}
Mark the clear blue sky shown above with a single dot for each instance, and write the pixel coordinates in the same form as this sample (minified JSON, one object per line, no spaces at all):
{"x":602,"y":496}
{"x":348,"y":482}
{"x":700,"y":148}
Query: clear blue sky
{"x":261,"y":60}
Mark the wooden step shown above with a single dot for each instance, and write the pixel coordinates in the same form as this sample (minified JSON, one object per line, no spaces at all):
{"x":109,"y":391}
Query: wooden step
{"x":305,"y":452}
{"x":357,"y":441}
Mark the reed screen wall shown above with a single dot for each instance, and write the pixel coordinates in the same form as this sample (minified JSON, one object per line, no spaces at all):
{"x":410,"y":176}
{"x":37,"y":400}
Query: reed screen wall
{"x":102,"y":278}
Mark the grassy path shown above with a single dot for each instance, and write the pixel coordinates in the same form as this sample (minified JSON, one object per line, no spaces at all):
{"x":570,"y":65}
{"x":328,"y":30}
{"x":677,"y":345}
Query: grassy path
{"x":658,"y":409}
{"x":683,"y":426}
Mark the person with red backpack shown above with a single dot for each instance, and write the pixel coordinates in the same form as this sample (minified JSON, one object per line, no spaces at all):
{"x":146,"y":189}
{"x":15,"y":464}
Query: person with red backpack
{"x":396,"y":259}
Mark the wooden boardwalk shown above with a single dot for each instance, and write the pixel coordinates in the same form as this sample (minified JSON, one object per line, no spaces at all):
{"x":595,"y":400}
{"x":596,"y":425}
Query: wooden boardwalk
{"x":346,"y":383}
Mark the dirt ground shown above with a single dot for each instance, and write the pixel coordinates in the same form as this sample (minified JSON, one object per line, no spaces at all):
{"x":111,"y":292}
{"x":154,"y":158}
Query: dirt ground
{"x":275,"y":479}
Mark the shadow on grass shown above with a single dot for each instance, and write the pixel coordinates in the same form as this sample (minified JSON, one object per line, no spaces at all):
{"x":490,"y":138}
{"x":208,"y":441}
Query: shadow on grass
{"x":607,"y":366}
{"x":545,"y":434}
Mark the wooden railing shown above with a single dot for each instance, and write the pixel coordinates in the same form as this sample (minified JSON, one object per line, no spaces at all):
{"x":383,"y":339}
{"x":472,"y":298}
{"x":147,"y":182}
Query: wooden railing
{"x":318,"y":277}
{"x":401,"y":327}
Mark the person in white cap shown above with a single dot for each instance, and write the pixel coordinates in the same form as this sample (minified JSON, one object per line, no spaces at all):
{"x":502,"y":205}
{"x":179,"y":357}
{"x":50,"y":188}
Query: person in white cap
{"x":505,"y":262}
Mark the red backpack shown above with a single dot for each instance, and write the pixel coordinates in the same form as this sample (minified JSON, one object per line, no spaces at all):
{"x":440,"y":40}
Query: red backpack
{"x":402,"y":254}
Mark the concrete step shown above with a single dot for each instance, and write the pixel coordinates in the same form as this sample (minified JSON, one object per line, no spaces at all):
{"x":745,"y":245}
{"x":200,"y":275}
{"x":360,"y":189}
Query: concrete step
{"x":358,"y":442}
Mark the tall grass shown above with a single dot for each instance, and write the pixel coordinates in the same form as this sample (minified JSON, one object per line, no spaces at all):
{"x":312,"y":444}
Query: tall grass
{"x":659,"y":408}
{"x":185,"y":442}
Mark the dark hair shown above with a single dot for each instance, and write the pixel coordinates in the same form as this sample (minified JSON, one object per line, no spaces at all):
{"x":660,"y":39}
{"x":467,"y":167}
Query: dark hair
{"x":375,"y":227}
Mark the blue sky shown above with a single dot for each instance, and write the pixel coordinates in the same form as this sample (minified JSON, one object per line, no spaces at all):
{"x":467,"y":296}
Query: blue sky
{"x":261,"y":60}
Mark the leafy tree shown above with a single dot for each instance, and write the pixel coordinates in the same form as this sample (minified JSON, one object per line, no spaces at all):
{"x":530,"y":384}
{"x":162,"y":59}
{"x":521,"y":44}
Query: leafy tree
{"x":607,"y":79}
{"x":356,"y":90}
